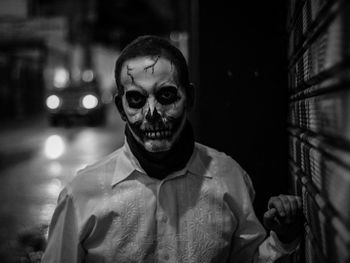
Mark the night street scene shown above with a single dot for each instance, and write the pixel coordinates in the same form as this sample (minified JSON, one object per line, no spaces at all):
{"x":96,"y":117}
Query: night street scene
{"x":271,"y":90}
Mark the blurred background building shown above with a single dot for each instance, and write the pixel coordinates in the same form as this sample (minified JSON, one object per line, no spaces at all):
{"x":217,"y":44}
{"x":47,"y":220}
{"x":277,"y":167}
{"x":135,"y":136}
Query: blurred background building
{"x":257,"y":67}
{"x":43,"y":42}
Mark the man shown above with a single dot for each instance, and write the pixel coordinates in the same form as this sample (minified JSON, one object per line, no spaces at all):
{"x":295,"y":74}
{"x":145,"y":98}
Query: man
{"x":162,"y":197}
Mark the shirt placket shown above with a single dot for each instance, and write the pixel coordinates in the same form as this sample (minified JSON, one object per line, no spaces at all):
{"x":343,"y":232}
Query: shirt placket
{"x":163,"y":253}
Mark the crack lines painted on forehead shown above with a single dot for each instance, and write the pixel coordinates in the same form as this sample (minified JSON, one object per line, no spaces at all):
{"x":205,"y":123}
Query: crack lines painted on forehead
{"x":128,"y":69}
{"x":155,"y":60}
{"x":146,"y":68}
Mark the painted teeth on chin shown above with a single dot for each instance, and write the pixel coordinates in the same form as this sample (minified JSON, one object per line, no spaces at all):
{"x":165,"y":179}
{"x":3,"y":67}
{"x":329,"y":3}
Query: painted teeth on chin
{"x":157,"y":134}
{"x":151,"y":135}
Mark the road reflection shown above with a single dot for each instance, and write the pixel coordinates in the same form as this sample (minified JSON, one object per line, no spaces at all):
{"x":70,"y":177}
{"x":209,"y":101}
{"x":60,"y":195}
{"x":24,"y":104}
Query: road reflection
{"x":54,"y":169}
{"x":54,"y":147}
{"x":54,"y":187}
{"x":46,"y":212}
{"x":30,"y":186}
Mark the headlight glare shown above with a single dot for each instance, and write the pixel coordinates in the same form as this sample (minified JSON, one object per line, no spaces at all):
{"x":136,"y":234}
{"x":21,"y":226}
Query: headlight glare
{"x":89,"y":101}
{"x":53,"y":102}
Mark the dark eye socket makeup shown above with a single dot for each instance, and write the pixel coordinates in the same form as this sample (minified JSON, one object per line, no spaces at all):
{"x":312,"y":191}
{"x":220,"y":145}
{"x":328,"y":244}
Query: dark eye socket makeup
{"x":167,"y":95}
{"x":135,"y":99}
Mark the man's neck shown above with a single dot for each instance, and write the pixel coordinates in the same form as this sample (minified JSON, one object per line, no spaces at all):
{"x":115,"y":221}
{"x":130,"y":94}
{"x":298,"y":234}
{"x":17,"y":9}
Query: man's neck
{"x":160,"y":164}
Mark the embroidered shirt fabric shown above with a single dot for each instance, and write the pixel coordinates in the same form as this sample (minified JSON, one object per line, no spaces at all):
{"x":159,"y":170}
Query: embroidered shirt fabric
{"x":113,"y":212}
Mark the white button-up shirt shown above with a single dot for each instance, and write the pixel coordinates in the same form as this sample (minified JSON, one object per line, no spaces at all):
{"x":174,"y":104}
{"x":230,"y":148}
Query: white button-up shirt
{"x":113,"y":212}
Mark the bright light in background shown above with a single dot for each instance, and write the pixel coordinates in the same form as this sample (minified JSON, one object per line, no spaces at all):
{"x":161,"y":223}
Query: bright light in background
{"x":88,"y":75}
{"x":89,"y":101}
{"x":61,"y":78}
{"x":51,"y":190}
{"x":180,"y":40}
{"x":46,"y":212}
{"x":54,"y":188}
{"x":175,"y":36}
{"x":53,"y":102}
{"x":54,"y":147}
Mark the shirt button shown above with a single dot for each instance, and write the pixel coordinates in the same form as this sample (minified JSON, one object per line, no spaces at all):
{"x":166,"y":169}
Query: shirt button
{"x":164,"y":219}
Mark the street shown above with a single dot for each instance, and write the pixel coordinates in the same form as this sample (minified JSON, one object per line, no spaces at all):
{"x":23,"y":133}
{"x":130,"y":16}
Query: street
{"x":36,"y":162}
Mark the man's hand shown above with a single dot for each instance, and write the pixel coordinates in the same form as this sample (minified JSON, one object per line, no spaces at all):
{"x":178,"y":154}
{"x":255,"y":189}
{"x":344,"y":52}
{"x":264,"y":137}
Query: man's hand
{"x":284,"y":217}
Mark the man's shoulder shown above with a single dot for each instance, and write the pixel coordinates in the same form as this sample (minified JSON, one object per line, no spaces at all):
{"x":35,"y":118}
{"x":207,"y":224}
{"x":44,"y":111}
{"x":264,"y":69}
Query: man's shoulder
{"x":96,"y":175}
{"x":104,"y":163}
{"x":215,"y":156}
{"x":225,"y":169}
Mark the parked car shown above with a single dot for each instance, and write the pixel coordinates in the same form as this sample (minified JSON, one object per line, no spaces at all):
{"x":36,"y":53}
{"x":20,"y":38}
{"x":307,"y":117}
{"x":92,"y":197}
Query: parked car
{"x":70,"y":102}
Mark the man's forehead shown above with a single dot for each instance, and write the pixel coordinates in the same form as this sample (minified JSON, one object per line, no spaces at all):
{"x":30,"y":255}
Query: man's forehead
{"x":140,"y":67}
{"x":148,"y":62}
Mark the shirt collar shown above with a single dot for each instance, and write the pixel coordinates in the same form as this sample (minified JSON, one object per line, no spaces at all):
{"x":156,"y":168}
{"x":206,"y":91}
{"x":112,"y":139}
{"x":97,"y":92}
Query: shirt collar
{"x":197,"y":165}
{"x":127,"y":164}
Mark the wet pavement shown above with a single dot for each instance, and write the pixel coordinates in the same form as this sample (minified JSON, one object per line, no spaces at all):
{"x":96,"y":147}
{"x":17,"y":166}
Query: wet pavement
{"x":36,"y":162}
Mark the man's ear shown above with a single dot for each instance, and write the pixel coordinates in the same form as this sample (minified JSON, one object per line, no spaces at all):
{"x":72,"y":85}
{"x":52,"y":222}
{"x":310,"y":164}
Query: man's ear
{"x":119,"y":103}
{"x":190,"y":95}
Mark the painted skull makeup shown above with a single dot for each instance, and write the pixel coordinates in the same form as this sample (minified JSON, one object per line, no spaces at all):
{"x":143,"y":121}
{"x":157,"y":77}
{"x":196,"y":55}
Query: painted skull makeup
{"x":153,"y":102}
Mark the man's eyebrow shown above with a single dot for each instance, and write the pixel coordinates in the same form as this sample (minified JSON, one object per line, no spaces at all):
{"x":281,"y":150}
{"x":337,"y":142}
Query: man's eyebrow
{"x":136,"y":87}
{"x":168,"y":84}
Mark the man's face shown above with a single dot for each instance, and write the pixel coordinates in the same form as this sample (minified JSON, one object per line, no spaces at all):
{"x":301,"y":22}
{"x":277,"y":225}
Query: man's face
{"x":153,"y":102}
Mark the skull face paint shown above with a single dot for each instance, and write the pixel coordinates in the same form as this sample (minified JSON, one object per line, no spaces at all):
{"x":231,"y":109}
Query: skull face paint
{"x":153,"y":102}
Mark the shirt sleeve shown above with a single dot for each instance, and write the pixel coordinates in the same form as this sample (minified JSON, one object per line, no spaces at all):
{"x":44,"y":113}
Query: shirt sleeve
{"x":63,"y":241}
{"x":249,"y":243}
{"x":272,"y":248}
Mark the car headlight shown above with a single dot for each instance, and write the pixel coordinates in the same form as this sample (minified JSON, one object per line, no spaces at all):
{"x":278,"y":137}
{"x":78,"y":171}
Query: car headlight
{"x":53,"y":102}
{"x":89,"y":101}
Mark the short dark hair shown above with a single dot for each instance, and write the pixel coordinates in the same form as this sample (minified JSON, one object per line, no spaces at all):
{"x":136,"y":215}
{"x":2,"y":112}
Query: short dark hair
{"x":150,"y":45}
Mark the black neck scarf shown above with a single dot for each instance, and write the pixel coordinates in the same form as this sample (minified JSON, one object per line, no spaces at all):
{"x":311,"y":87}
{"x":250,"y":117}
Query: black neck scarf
{"x":160,"y":164}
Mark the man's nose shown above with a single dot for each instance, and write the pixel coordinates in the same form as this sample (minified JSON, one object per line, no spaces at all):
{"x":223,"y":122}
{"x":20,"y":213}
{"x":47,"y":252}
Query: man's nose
{"x":152,"y":113}
{"x":151,"y":105}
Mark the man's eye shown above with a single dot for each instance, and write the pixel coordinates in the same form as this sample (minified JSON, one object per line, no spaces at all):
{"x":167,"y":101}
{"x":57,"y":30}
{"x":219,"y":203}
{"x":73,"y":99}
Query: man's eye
{"x":135,"y":99}
{"x":167,"y":95}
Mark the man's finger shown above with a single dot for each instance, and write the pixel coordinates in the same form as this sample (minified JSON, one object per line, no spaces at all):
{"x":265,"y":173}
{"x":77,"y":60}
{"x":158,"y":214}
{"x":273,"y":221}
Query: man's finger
{"x":287,"y":206}
{"x":270,"y":213}
{"x":293,"y":206}
{"x":270,"y":218}
{"x":276,"y":202}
